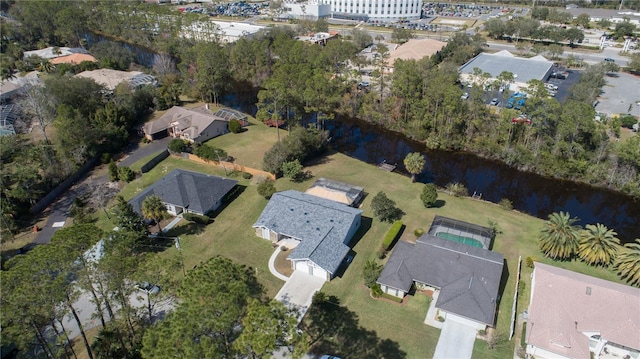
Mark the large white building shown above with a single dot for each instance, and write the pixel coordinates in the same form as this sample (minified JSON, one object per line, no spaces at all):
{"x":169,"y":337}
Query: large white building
{"x":383,"y":10}
{"x":311,"y":10}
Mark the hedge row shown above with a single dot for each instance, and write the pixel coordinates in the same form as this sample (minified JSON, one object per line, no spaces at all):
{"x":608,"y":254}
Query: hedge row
{"x":391,"y":235}
{"x":192,"y":217}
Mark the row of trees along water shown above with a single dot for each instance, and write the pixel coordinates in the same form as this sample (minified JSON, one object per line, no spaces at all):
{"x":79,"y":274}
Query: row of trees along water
{"x":419,"y":98}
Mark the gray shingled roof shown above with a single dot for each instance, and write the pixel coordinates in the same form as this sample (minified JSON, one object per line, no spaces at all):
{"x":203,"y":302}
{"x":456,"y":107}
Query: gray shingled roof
{"x":468,"y":277}
{"x":322,"y":226}
{"x":524,"y":69}
{"x":195,"y":191}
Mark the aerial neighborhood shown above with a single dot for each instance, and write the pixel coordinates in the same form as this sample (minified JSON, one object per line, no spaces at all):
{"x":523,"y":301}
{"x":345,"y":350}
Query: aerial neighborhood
{"x":320,"y":179}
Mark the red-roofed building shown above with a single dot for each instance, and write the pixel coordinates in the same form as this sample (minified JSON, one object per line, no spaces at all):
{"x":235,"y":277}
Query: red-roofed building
{"x":572,"y":315}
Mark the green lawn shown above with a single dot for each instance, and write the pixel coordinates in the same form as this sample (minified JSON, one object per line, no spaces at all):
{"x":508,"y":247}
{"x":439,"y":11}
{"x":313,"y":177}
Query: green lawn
{"x":231,"y":235}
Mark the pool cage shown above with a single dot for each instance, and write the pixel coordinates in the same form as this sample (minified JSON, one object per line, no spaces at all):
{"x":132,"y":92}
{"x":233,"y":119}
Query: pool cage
{"x":452,"y":227}
{"x":231,"y":114}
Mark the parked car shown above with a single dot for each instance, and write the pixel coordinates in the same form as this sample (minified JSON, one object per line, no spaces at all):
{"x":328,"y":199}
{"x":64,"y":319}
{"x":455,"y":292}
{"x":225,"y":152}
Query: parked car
{"x":465,"y":96}
{"x":494,"y":102}
{"x":608,"y":59}
{"x":329,"y":357}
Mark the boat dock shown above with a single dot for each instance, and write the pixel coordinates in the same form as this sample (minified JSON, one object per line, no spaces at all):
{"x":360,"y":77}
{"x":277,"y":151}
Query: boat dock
{"x":386,"y":166}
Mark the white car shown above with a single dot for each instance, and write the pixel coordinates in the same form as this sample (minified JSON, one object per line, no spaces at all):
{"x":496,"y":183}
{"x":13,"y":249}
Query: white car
{"x":465,"y":96}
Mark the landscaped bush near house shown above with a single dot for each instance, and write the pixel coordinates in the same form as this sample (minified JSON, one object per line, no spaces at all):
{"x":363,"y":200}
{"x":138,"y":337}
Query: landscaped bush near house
{"x":530,"y":261}
{"x":126,"y":174}
{"x":177,"y":145}
{"x":392,"y":234}
{"x":523,"y":340}
{"x":293,"y":170}
{"x":391,"y":297}
{"x":192,"y":217}
{"x":266,"y":189}
{"x":247,"y":175}
{"x":376,"y":291}
{"x":235,"y":126}
{"x":371,"y":272}
{"x":418,"y":232}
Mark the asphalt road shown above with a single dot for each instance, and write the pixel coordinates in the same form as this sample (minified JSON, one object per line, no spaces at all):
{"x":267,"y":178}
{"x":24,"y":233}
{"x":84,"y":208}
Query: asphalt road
{"x":59,"y":210}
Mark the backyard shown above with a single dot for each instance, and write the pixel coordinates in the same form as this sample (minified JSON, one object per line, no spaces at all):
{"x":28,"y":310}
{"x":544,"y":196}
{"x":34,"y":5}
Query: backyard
{"x":231,"y":235}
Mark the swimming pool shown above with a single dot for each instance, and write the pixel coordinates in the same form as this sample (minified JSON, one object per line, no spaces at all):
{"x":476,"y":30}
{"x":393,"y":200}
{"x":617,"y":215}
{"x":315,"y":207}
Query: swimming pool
{"x":460,"y":239}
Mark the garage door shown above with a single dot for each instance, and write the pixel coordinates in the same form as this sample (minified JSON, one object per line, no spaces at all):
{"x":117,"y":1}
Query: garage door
{"x":310,"y":268}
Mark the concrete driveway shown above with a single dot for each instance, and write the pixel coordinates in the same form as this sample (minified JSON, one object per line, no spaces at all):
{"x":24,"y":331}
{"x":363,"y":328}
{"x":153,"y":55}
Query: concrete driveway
{"x":456,"y":341}
{"x":298,"y":291}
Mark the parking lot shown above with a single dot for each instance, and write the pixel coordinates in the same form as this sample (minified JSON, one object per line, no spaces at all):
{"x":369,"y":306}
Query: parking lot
{"x":620,"y":95}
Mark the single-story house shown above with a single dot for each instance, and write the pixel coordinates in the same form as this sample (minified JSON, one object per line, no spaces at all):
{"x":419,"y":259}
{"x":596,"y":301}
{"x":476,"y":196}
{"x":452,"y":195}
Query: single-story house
{"x":467,"y":277}
{"x":187,"y":192}
{"x":523,"y":69}
{"x":197,"y":124}
{"x":52,"y":52}
{"x":229,"y":114}
{"x":337,"y":191}
{"x":322,"y":227}
{"x":110,"y":79}
{"x":572,"y":315}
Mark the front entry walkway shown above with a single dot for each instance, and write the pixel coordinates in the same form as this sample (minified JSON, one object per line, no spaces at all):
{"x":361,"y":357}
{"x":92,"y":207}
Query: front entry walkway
{"x":456,"y":341}
{"x":298,"y":291}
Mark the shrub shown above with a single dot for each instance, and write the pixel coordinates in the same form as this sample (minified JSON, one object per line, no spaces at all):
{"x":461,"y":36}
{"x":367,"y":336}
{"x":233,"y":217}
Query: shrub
{"x":266,"y":189}
{"x":235,"y":126}
{"x":440,"y":318}
{"x":376,"y":291}
{"x":530,"y":261}
{"x":385,"y":209}
{"x":523,"y":341}
{"x":418,"y":232}
{"x":113,"y":171}
{"x":371,"y":272}
{"x":429,"y":195}
{"x":506,"y":204}
{"x":382,"y":253}
{"x":210,"y":153}
{"x":392,"y":234}
{"x":482,"y":332}
{"x":126,"y":174}
{"x":628,"y":121}
{"x":105,"y":158}
{"x":192,"y":217}
{"x":177,"y":145}
{"x":247,"y":175}
{"x":292,"y":170}
{"x":457,"y":189}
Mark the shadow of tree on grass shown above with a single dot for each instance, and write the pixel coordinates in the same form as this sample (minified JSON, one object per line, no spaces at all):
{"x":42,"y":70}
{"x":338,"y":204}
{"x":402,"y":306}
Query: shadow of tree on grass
{"x":334,"y":329}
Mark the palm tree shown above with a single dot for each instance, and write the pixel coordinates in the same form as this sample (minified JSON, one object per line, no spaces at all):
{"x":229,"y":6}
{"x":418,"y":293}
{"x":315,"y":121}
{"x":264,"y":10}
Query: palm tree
{"x":559,"y":237}
{"x":414,"y":162}
{"x":153,"y":208}
{"x":627,"y":263}
{"x":598,"y":245}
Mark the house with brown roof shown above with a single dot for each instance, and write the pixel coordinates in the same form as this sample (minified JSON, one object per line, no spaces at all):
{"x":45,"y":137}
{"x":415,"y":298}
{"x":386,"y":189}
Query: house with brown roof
{"x":572,"y":315}
{"x":73,"y":59}
{"x":197,"y":124}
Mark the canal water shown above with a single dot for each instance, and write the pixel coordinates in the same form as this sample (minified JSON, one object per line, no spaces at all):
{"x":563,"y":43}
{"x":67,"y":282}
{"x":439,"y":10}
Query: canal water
{"x":492,"y":180}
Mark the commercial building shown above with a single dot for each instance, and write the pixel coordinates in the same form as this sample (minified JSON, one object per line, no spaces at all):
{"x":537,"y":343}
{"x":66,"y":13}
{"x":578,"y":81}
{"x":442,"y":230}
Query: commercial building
{"x":311,"y":10}
{"x":381,"y":10}
{"x":523,"y":69}
{"x":615,"y":16}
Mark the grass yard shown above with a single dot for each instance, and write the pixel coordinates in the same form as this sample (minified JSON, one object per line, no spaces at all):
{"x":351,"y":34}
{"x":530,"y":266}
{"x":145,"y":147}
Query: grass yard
{"x":231,"y":235}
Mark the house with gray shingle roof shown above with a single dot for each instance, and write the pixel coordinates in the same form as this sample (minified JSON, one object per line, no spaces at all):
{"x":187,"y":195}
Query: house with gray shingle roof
{"x":466,"y":277}
{"x":323,"y":227}
{"x":187,"y":192}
